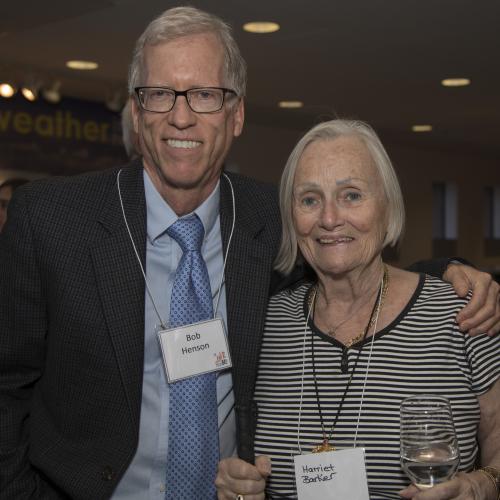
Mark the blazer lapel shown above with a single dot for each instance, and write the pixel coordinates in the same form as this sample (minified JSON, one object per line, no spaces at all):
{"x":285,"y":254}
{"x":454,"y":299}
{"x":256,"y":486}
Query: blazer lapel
{"x":248,"y":274}
{"x":120,"y":282}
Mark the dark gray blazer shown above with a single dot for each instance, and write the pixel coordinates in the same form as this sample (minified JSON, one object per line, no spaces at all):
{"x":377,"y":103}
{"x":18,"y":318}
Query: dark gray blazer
{"x":72,"y":327}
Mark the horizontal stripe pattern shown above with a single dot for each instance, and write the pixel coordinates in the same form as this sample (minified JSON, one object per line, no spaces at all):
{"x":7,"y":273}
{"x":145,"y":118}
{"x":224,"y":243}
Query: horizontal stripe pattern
{"x":421,"y":351}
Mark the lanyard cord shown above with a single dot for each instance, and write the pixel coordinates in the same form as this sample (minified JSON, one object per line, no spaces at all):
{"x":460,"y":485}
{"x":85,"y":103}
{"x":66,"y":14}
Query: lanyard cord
{"x":223,"y":275}
{"x":309,"y":310}
{"x":374,"y":313}
{"x":162,"y":323}
{"x":366,"y":378}
{"x":135,"y":250}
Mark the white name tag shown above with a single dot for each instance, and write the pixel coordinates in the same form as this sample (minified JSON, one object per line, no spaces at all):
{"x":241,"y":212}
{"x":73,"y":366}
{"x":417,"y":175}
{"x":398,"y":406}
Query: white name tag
{"x":195,"y":349}
{"x":332,"y":474}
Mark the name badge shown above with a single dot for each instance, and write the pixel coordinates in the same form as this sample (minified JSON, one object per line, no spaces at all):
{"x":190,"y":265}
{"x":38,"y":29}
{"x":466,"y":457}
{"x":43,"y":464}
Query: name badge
{"x":195,"y":349}
{"x":332,"y":474}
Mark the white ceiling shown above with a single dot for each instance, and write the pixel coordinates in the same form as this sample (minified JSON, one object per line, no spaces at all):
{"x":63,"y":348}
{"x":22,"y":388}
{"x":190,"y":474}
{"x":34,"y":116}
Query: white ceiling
{"x":378,"y":60}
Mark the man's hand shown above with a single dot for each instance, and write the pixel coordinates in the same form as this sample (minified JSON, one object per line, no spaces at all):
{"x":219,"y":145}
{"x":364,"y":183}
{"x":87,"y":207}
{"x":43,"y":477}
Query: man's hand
{"x":482,"y":313}
{"x":236,"y":477}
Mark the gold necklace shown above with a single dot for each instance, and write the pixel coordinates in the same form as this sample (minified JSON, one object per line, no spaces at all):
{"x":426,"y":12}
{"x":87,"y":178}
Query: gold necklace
{"x":311,"y":300}
{"x":332,"y":331}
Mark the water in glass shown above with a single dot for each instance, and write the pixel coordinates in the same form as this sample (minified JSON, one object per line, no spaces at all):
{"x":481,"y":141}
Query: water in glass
{"x":429,"y":448}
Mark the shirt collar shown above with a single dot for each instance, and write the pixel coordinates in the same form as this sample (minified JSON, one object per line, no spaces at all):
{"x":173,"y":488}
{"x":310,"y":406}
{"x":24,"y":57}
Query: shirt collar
{"x":160,"y":215}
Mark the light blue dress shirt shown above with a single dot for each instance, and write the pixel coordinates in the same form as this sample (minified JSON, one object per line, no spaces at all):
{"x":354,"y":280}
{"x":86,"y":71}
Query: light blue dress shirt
{"x":145,"y":477}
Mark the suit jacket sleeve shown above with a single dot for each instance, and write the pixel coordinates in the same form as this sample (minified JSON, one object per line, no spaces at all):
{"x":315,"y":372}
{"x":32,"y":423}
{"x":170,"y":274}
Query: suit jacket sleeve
{"x":23,"y":327}
{"x":435,"y":267}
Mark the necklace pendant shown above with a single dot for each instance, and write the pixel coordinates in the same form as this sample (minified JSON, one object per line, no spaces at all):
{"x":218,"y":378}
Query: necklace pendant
{"x":324,"y":446}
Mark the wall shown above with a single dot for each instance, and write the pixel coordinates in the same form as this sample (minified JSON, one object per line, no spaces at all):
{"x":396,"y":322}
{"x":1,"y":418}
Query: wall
{"x":261,"y":152}
{"x":417,"y":170}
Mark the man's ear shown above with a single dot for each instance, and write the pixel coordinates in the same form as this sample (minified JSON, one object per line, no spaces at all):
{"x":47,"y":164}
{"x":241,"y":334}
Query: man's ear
{"x":239,"y":117}
{"x":135,"y":113}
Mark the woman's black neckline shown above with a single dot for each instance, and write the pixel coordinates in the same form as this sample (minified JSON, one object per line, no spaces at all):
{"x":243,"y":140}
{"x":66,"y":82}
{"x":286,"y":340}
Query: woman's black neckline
{"x":324,"y":336}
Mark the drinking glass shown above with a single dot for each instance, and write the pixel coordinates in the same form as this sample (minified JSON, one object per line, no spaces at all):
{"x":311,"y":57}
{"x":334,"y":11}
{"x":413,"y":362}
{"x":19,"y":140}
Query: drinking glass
{"x":429,"y":448}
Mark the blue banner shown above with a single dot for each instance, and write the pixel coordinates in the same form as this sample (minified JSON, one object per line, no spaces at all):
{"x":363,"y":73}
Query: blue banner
{"x":70,"y":137}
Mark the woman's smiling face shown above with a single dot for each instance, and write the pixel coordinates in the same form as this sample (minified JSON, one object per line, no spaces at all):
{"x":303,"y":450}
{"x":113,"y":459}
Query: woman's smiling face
{"x":339,"y":207}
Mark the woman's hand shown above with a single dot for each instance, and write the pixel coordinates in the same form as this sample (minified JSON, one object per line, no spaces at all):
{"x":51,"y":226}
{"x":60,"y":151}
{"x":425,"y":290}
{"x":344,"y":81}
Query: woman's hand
{"x":482,"y":313}
{"x":464,"y":486}
{"x":237,"y":478}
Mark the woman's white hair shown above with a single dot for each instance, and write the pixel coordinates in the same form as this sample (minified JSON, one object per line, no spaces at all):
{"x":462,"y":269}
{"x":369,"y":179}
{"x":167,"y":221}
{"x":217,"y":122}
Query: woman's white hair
{"x":183,"y":21}
{"x":288,"y":253}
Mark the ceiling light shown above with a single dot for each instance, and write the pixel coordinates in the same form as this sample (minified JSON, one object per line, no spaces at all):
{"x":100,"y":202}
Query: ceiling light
{"x":261,"y":27}
{"x":31,"y":88}
{"x":52,"y":93}
{"x":455,"y":82}
{"x":7,"y":89}
{"x":30,"y":92}
{"x":291,"y":104}
{"x":82,"y":65}
{"x":421,"y":128}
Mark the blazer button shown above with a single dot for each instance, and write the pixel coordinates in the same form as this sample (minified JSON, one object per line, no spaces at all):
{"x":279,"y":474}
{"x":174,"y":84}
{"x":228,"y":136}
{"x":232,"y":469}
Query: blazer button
{"x":107,"y":473}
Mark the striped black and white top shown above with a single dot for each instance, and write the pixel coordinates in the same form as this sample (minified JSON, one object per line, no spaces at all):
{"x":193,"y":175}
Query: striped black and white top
{"x":421,"y":351}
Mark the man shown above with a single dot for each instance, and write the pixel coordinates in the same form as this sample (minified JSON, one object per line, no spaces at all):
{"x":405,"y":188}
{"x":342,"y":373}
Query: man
{"x":7,"y":189}
{"x":84,"y":399}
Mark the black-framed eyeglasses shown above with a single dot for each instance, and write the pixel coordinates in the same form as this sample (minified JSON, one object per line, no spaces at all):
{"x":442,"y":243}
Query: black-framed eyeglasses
{"x":200,"y":100}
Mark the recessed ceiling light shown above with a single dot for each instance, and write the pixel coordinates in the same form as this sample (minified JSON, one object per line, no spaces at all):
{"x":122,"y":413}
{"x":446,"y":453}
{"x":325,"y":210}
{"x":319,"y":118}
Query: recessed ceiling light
{"x":421,"y":128}
{"x":82,"y":65}
{"x":30,"y":93}
{"x":291,"y":104}
{"x":455,"y":82}
{"x":7,"y":90}
{"x":261,"y":27}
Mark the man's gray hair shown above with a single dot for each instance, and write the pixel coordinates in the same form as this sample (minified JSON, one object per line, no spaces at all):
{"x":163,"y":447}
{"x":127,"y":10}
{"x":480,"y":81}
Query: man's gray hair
{"x":288,"y":253}
{"x":183,"y":21}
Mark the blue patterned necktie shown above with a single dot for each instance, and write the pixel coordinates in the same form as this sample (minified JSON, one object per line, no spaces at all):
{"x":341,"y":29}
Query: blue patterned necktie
{"x":193,"y":439}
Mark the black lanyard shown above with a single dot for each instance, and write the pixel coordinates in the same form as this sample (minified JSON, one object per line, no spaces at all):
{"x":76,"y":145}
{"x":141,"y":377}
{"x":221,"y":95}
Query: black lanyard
{"x":326,"y":438}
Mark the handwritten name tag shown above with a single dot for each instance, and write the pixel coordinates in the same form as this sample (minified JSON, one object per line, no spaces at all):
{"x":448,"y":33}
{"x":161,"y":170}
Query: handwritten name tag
{"x":334,"y":474}
{"x":195,"y":349}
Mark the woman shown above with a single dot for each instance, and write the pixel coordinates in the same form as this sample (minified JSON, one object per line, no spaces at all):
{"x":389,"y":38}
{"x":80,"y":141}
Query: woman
{"x":342,"y":351}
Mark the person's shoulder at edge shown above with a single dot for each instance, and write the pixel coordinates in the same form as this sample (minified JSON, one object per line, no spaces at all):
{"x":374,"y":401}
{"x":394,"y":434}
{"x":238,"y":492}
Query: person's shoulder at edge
{"x":56,"y":183}
{"x":56,"y":202}
{"x":68,"y":192}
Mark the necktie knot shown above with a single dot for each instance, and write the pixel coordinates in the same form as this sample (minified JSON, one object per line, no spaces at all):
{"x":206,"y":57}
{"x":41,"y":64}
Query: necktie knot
{"x":188,"y":232}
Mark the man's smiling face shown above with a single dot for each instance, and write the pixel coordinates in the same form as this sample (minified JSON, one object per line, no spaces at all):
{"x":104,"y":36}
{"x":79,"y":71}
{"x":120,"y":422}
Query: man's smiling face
{"x":184,"y":150}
